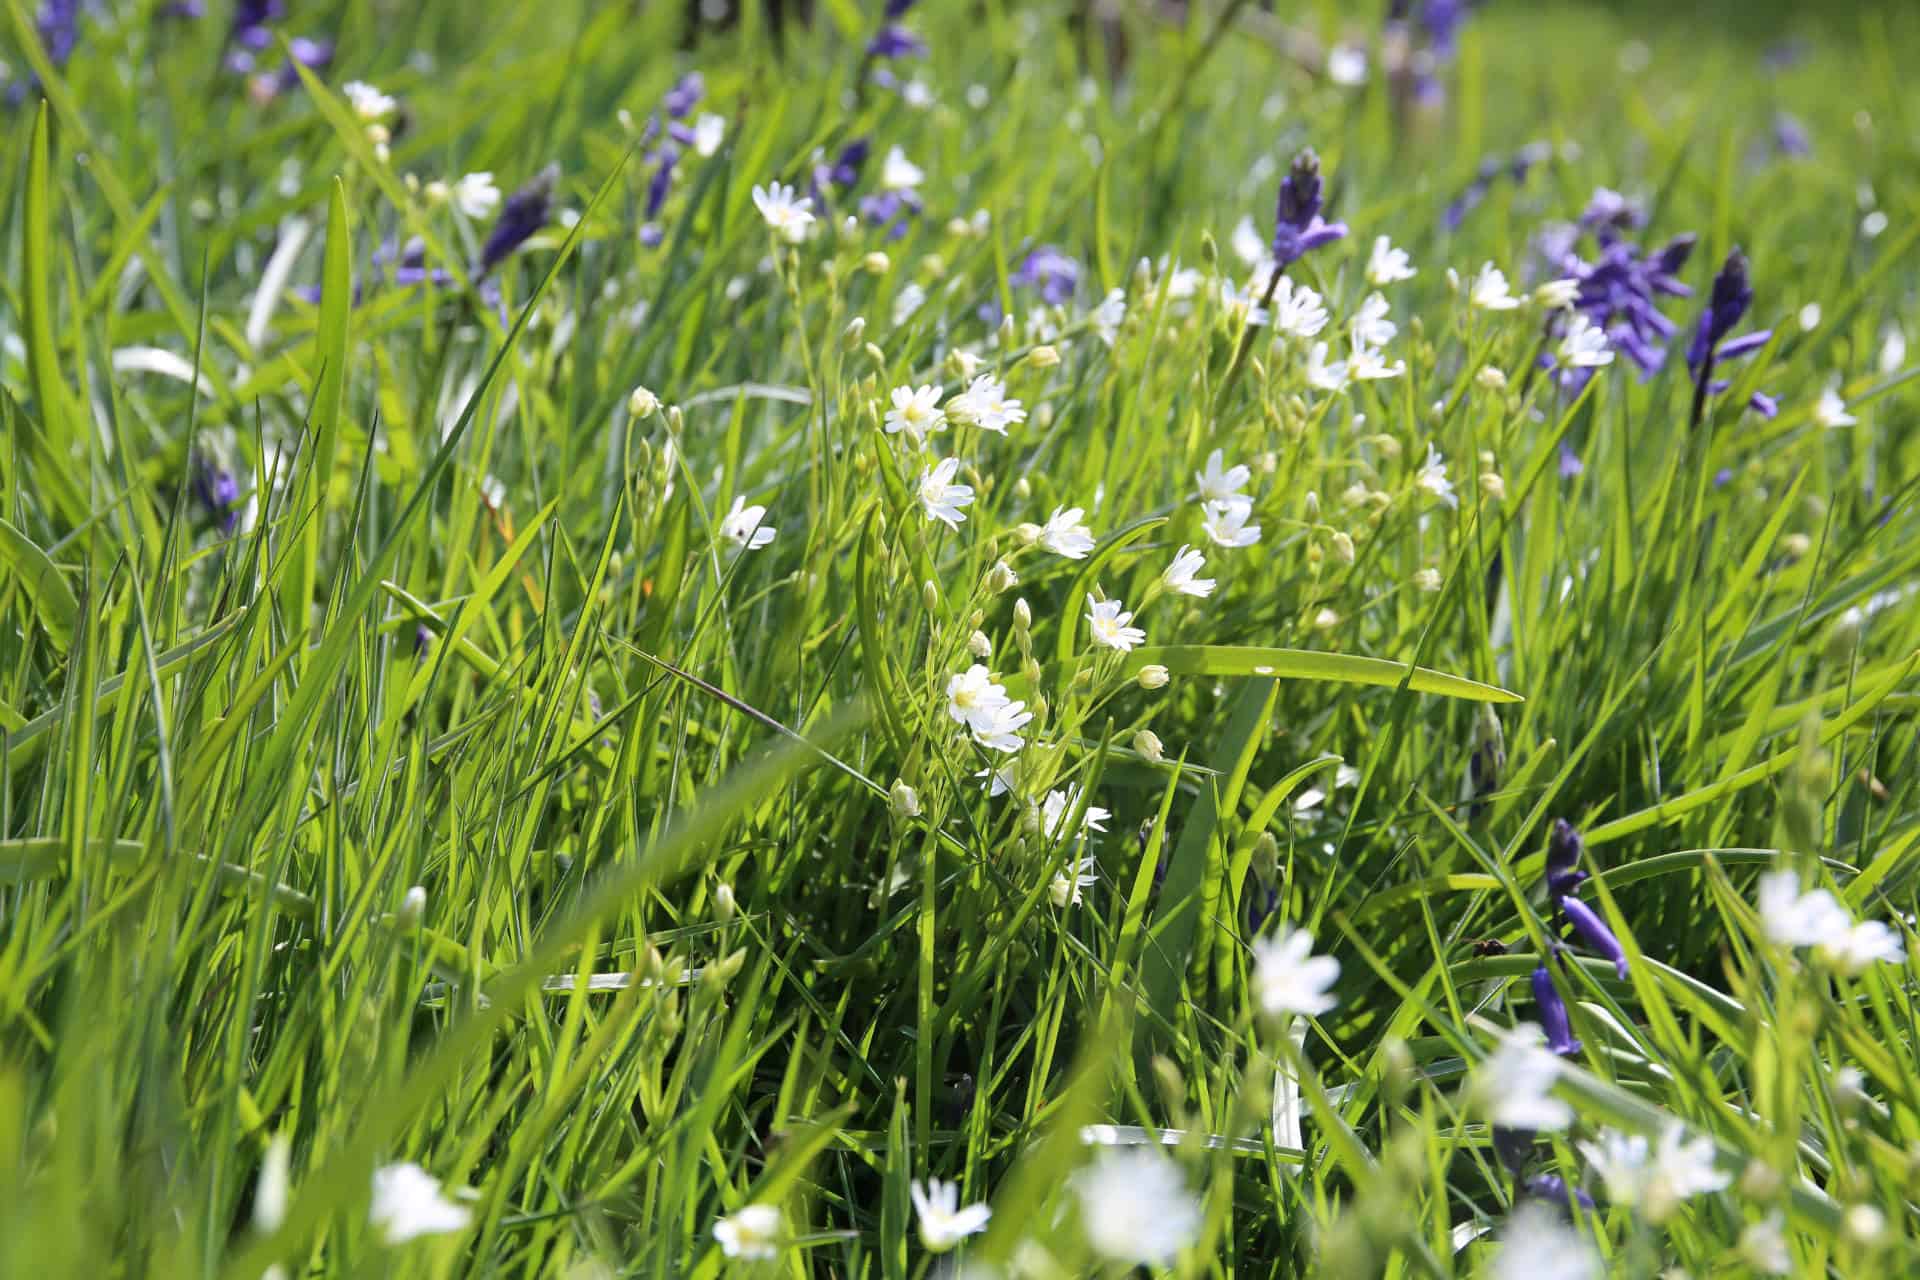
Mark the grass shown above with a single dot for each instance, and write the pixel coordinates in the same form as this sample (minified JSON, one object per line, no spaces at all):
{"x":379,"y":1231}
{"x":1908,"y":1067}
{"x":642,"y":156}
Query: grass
{"x":715,"y":911}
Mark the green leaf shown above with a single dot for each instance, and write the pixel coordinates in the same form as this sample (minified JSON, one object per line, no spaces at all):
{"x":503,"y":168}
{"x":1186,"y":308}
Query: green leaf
{"x":1312,"y":664}
{"x":53,"y":600}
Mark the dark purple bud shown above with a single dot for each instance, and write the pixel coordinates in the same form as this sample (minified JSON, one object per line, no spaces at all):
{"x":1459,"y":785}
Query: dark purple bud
{"x":1764,"y":405}
{"x":216,"y":490}
{"x":1732,"y":295}
{"x":1553,"y":1189}
{"x":1594,"y":932}
{"x":660,"y":184}
{"x":524,"y":213}
{"x":1513,"y":1147}
{"x":895,"y":41}
{"x":1553,"y":1014}
{"x":1564,"y":848}
{"x":1744,"y":345}
{"x":1262,"y":901}
{"x":422,"y":639}
{"x":898,"y":8}
{"x":1298,"y":228}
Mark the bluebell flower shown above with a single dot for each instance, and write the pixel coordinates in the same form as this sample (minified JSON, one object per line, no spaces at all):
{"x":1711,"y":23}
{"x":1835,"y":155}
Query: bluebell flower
{"x":1553,"y":1189}
{"x":1564,"y":848}
{"x":525,"y":212}
{"x":1609,"y":213}
{"x":685,"y":95}
{"x":1049,"y":272}
{"x":1553,"y":1014}
{"x":1570,"y":464}
{"x":899,"y":8}
{"x":1490,"y":170}
{"x":1727,"y":305}
{"x":891,"y":210}
{"x":1298,"y":227}
{"x":1790,"y":136}
{"x":1513,"y":1147}
{"x":842,"y":172}
{"x":422,"y":639}
{"x":1594,"y":932}
{"x":895,"y":41}
{"x":216,"y":490}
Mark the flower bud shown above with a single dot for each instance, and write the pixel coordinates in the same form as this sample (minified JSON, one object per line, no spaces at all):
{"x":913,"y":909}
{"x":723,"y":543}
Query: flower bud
{"x":979,"y":646}
{"x":876,"y":355}
{"x":642,"y":403}
{"x":904,"y":799}
{"x":413,"y":908}
{"x":1491,"y":379}
{"x":676,"y":421}
{"x":1044,"y":357}
{"x":1343,"y":547}
{"x":1493,"y":486}
{"x":1427,"y":579}
{"x":930,"y":596}
{"x":724,"y":905}
{"x":854,"y":334}
{"x":1147,"y":745}
{"x":725,"y":970}
{"x":1001,"y":578}
{"x":1153,"y":676}
{"x":1030,"y":669}
{"x":1022,"y":615}
{"x":1313,"y":504}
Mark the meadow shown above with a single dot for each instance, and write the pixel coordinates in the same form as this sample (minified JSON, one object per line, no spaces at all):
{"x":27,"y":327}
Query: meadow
{"x":958,"y":640}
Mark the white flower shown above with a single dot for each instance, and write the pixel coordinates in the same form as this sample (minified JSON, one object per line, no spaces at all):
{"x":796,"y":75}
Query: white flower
{"x":787,"y":211}
{"x":1830,"y":410}
{"x":1368,"y":365}
{"x":906,"y":302}
{"x":1347,"y":65}
{"x":1585,"y":345}
{"x":1226,"y":523}
{"x":1108,"y":315}
{"x":1289,"y":978}
{"x":1655,"y":1180}
{"x":709,"y":131}
{"x":271,"y":1189}
{"x":1135,"y":1207}
{"x":1242,"y":305}
{"x":916,"y":411}
{"x":1513,"y":1086}
{"x":1221,"y":483}
{"x":1108,"y":625}
{"x":1066,"y":886}
{"x":407,"y":1202}
{"x":999,"y":728}
{"x":754,"y":1232}
{"x":1370,"y":326}
{"x":1763,"y":1246}
{"x":1490,"y":292}
{"x":1297,"y":310}
{"x":1790,"y":918}
{"x":1059,"y":804}
{"x":1427,"y":579}
{"x":1247,"y":243}
{"x":1860,"y":946}
{"x":1893,"y":351}
{"x":475,"y":195}
{"x":940,"y":497}
{"x":943,"y":1223}
{"x":367,"y":102}
{"x":1002,"y":778}
{"x":1064,"y":534}
{"x":1557,"y":295}
{"x":742,"y":526}
{"x":916,"y":94}
{"x":1539,"y":1245}
{"x":897,"y":173}
{"x":985,"y":404}
{"x":1387,"y":265}
{"x":1180,"y":575}
{"x":1432,"y":478}
{"x":974,"y":695}
{"x":1323,"y":376}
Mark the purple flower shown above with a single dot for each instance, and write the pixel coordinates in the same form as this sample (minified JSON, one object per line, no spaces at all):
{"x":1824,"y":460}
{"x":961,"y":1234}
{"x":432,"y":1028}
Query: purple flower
{"x":1791,"y":136}
{"x":685,"y":95}
{"x":216,"y":490}
{"x":899,"y":8}
{"x":895,"y":41}
{"x":1594,"y":932}
{"x":891,"y":210}
{"x":844,"y":171}
{"x":1553,"y":1189}
{"x":1050,"y":272}
{"x":185,"y":9}
{"x":1570,"y":464}
{"x":1609,"y":213}
{"x":524,"y":213}
{"x":662,"y":180}
{"x":1620,"y":291}
{"x":1298,"y":227}
{"x":1513,"y":1147}
{"x":1732,"y":295}
{"x":1553,"y":1014}
{"x":422,"y":639}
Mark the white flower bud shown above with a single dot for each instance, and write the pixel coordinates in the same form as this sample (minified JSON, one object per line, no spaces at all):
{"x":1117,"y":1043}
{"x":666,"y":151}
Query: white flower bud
{"x":1022,"y":615}
{"x":1001,"y":577}
{"x":854,"y":334}
{"x":876,"y":263}
{"x":1153,"y":676}
{"x":904,"y":799}
{"x":724,"y":905}
{"x":979,"y":646}
{"x":1427,"y":579}
{"x":1313,"y":504}
{"x":676,"y":420}
{"x":1148,"y":747}
{"x":413,"y":908}
{"x":1043,"y":357}
{"x":1343,"y":547}
{"x":1491,"y":379}
{"x":642,"y":403}
{"x":930,"y":596}
{"x":1557,"y":295}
